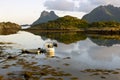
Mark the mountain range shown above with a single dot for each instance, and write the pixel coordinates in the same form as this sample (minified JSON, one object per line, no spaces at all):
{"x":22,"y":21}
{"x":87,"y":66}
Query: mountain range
{"x":103,"y":13}
{"x":104,"y":17}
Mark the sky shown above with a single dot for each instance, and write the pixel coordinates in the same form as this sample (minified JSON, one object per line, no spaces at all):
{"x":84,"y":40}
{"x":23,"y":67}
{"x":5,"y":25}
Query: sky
{"x":27,"y":11}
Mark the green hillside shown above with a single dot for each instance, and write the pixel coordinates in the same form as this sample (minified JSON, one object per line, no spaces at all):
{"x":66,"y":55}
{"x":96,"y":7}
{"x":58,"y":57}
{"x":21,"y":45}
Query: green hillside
{"x":66,"y":22}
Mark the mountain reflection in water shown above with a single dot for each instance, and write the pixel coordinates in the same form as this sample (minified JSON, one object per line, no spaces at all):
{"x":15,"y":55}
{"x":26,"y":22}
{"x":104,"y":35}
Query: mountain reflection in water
{"x":104,"y":40}
{"x":75,"y":51}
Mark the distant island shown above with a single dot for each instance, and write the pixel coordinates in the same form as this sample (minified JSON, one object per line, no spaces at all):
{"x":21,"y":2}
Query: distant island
{"x":9,"y":28}
{"x":62,"y":23}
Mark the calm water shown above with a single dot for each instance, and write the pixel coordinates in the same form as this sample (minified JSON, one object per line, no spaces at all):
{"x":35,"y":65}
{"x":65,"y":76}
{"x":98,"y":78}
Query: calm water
{"x":75,"y":54}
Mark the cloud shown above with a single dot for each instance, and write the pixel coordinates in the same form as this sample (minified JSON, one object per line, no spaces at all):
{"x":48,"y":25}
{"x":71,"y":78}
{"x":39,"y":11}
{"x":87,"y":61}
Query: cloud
{"x":78,"y":5}
{"x":88,"y":5}
{"x":113,"y":2}
{"x":62,"y":5}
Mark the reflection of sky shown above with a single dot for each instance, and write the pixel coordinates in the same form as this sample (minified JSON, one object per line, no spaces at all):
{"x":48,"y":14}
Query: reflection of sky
{"x":89,"y":55}
{"x":84,"y":54}
{"x":76,"y":48}
{"x":24,"y":40}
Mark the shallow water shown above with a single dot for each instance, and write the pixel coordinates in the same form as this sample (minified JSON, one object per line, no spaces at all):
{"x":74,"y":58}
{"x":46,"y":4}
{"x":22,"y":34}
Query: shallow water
{"x":85,"y":58}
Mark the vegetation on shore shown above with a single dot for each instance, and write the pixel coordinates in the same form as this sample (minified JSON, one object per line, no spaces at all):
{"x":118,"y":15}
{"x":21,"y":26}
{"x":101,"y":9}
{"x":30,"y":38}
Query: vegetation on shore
{"x":9,"y":27}
{"x":105,"y":25}
{"x":66,"y":22}
{"x":73,"y":23}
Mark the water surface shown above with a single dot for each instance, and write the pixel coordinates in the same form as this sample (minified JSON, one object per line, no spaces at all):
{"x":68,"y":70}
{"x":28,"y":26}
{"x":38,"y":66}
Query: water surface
{"x":85,"y":57}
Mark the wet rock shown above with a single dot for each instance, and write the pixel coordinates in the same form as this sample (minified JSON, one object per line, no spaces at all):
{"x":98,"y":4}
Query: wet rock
{"x":60,"y":79}
{"x":74,"y":78}
{"x":11,"y":57}
{"x":50,"y":78}
{"x":66,"y":64}
{"x":67,"y":58}
{"x":1,"y":77}
{"x":10,"y":73}
{"x":100,"y":72}
{"x":6,"y":66}
{"x":115,"y":72}
{"x":6,"y":43}
{"x":27,"y":75}
{"x":103,"y":77}
{"x":95,"y":74}
{"x":53,"y":78}
{"x":31,"y":70}
{"x":106,"y":73}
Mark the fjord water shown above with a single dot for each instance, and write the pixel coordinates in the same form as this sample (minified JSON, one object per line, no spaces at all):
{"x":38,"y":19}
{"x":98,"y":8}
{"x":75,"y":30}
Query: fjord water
{"x":78,"y":54}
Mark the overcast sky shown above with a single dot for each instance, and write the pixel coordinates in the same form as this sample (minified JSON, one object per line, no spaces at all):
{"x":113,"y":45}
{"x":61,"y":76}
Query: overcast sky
{"x":27,"y":11}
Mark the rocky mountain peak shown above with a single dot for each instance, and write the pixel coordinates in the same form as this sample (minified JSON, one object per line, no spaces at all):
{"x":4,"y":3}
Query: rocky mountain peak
{"x":52,"y":13}
{"x":45,"y":17}
{"x":44,"y":13}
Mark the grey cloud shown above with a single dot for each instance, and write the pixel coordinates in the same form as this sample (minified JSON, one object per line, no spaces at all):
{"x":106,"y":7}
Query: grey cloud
{"x":96,"y":2}
{"x":114,"y":2}
{"x":78,"y":5}
{"x":88,"y":5}
{"x":62,"y":5}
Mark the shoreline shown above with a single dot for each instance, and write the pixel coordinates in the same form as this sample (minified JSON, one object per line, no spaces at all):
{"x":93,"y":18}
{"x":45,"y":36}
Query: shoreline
{"x":87,"y":31}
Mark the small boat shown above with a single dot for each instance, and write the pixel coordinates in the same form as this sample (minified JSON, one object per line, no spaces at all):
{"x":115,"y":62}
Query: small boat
{"x":34,"y":51}
{"x":49,"y":50}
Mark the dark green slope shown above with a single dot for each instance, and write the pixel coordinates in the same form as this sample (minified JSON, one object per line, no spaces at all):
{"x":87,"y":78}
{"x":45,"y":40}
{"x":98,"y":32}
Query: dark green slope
{"x":66,"y":22}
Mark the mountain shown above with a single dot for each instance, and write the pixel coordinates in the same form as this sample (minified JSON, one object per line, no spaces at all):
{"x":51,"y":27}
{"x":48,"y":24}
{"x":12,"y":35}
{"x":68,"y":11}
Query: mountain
{"x":105,"y":42}
{"x":45,"y":17}
{"x":103,"y":13}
